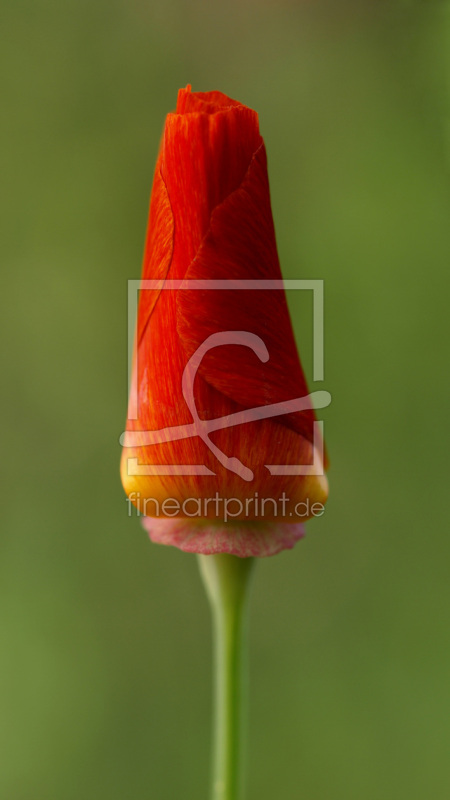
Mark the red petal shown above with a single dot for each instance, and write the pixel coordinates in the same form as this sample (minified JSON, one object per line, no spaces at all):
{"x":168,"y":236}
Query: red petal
{"x":241,"y":245}
{"x":158,"y":246}
{"x":204,"y":159}
{"x":205,"y":102}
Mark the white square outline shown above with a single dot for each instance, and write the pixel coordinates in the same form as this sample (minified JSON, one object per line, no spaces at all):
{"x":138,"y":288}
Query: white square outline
{"x":314,"y":285}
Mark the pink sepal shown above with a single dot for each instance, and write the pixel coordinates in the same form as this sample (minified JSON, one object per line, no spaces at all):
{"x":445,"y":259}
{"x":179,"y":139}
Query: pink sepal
{"x":243,"y":539}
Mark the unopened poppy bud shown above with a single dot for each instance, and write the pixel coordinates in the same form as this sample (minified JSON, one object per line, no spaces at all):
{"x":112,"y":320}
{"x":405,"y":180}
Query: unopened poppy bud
{"x":222,"y":452}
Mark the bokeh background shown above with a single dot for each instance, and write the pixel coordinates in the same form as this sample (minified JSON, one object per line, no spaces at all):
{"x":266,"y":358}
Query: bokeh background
{"x":105,"y":639}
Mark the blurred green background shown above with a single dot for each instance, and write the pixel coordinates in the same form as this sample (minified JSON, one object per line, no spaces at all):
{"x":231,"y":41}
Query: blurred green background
{"x":105,"y":638}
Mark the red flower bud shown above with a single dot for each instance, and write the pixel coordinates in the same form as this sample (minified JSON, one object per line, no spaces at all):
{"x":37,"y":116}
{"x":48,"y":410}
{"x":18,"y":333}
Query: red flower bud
{"x":205,"y":352}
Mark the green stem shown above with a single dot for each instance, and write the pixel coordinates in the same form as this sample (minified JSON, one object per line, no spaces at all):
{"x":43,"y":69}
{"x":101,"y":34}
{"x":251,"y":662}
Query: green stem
{"x":226,"y":580}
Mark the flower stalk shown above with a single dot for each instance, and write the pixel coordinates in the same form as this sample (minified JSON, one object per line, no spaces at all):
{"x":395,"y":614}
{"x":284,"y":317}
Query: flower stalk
{"x":226,"y":579}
